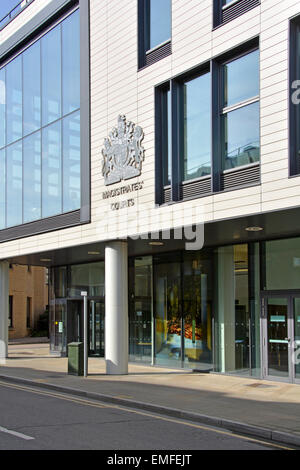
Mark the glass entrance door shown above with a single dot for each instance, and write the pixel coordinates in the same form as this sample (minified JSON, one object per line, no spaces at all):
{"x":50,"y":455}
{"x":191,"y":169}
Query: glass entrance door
{"x":281,"y":336}
{"x":96,"y":328}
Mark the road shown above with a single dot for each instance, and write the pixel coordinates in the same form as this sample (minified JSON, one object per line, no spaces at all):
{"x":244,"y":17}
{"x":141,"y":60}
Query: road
{"x":37,"y":419}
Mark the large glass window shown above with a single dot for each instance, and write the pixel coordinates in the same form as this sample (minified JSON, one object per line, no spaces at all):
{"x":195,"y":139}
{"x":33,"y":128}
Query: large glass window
{"x":241,"y":111}
{"x":32,"y":89}
{"x":155,"y":30}
{"x":140,"y":310}
{"x":14,"y":100}
{"x":14,"y":184}
{"x":167,"y":305}
{"x":282,"y":264}
{"x":32,"y":177}
{"x":160,"y":22}
{"x":87,"y":277}
{"x":71,"y":162}
{"x":51,"y":76}
{"x":183,"y":310}
{"x":294,"y":100}
{"x":237,"y":330}
{"x":197,"y":127}
{"x":40,"y":128}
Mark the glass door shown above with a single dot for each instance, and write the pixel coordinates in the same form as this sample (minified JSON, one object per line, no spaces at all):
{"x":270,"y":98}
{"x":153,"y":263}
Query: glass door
{"x":96,"y":328}
{"x":281,"y":336}
{"x":296,"y":339}
{"x":276,"y":339}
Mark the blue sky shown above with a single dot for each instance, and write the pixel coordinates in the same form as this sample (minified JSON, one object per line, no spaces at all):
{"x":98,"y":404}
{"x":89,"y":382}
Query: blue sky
{"x":6,"y":6}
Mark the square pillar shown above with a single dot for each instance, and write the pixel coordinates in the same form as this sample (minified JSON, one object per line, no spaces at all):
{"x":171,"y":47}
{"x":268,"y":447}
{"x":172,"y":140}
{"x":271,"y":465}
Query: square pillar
{"x":116,"y":308}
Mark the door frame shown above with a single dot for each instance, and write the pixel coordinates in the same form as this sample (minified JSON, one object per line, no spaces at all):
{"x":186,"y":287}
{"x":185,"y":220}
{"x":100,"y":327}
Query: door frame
{"x":289,"y":294}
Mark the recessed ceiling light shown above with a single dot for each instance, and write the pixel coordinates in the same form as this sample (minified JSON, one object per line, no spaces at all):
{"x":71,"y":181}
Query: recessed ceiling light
{"x":156,"y":243}
{"x":45,"y":260}
{"x":254,"y":229}
{"x":93,"y":252}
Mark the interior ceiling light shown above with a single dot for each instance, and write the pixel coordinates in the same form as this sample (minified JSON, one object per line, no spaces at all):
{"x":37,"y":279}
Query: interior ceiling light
{"x":156,"y":243}
{"x":93,"y":252}
{"x":45,"y":260}
{"x":253,"y":229}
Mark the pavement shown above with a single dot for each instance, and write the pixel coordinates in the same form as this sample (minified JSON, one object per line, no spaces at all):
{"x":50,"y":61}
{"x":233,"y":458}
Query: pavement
{"x":29,"y":340}
{"x":265,"y":409}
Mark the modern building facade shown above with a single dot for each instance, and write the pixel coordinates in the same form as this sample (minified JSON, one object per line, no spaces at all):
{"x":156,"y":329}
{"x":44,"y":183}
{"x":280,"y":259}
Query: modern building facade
{"x":28,"y":299}
{"x":149,"y":157}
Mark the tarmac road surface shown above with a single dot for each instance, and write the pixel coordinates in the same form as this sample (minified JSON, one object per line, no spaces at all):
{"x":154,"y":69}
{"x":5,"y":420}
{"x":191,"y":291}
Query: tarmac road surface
{"x":36,"y":419}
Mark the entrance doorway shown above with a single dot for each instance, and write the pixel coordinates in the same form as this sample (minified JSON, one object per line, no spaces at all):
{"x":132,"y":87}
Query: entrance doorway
{"x":96,"y":325}
{"x":281,"y":335}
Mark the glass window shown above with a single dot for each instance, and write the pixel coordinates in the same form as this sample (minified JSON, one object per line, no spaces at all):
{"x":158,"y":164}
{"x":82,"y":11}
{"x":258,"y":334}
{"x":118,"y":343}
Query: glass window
{"x":87,"y":277}
{"x":294,"y":119}
{"x":14,"y":100}
{"x":168,"y":318}
{"x":43,"y":167}
{"x":2,"y":188}
{"x":32,"y":177}
{"x":197,"y":310}
{"x":14,"y":184}
{"x":140,"y":311}
{"x":282,"y":261}
{"x":71,"y":162}
{"x":160,"y":22}
{"x":52,"y":174}
{"x":242,"y":136}
{"x":166,"y":124}
{"x":32,"y":88}
{"x":238,"y":312}
{"x":71,"y":64}
{"x":232,"y":323}
{"x":197,"y":127}
{"x":51,"y":76}
{"x":2,"y":108}
{"x":241,"y":79}
{"x":240,"y":115}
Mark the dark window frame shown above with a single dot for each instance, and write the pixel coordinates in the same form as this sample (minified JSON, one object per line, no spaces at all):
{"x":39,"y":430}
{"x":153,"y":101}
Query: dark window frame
{"x":294,"y":116}
{"x":176,"y":193}
{"x":28,"y":312}
{"x":223,"y":14}
{"x":27,"y":34}
{"x":10,"y":311}
{"x":146,"y":56}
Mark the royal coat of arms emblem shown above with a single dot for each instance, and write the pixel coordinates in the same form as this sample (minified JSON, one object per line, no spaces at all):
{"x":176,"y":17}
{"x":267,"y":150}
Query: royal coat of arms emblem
{"x":123,"y":153}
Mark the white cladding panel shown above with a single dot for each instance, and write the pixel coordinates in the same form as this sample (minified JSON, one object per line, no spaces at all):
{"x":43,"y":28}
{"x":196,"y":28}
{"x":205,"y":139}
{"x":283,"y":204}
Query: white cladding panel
{"x":117,"y":87}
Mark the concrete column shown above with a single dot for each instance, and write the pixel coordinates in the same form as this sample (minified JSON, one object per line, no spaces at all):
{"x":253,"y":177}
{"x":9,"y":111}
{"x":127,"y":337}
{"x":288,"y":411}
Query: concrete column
{"x":4,"y":295}
{"x":116,"y":308}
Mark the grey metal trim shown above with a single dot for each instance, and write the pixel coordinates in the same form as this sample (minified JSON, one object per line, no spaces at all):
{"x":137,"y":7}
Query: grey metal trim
{"x":85,"y":111}
{"x":15,"y":15}
{"x":50,"y":224}
{"x":31,"y":28}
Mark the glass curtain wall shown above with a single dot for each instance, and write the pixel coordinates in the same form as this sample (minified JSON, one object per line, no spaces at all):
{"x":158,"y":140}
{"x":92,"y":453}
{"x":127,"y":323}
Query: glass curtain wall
{"x":140,"y":309}
{"x":197,"y":310}
{"x":237,"y":346}
{"x":183,"y":310}
{"x":40,"y":128}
